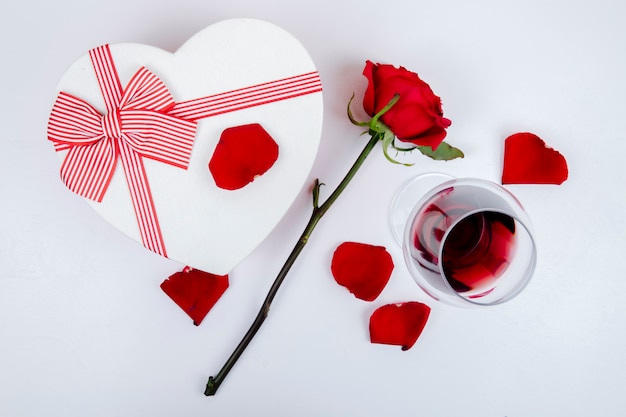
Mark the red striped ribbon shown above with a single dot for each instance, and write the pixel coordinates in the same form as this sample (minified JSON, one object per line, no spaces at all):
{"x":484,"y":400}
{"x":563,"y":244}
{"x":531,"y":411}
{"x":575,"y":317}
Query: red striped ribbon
{"x":143,"y":121}
{"x":244,"y":98}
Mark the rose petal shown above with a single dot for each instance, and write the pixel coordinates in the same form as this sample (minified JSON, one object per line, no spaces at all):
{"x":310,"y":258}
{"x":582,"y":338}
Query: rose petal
{"x":368,"y":98}
{"x":363,"y":269}
{"x":242,"y":154}
{"x":195,"y":291}
{"x":528,"y":160}
{"x":398,"y":324}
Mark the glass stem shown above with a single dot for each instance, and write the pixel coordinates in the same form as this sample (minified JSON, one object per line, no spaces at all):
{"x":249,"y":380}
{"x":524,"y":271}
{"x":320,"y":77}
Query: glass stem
{"x":214,"y":382}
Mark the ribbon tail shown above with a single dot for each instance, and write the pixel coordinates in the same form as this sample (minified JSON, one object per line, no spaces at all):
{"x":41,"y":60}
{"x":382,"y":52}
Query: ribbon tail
{"x":141,"y":197}
{"x":87,"y":170}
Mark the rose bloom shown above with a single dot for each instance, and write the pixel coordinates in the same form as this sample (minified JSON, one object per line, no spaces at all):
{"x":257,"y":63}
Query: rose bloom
{"x":417,"y":117}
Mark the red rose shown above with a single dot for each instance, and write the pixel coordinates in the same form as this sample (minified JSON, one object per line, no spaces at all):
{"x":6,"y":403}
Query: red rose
{"x":417,"y":117}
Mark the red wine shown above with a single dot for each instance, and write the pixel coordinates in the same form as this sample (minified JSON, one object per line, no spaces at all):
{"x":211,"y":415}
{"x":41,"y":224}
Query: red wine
{"x":468,"y":242}
{"x":477,"y":251}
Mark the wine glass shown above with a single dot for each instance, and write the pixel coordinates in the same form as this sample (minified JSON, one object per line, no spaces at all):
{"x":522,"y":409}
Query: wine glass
{"x":466,"y":241}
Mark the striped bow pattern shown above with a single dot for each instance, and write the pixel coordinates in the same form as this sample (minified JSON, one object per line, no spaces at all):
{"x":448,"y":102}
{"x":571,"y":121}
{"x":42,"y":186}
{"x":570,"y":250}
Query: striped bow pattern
{"x":143,"y":121}
{"x":137,"y":125}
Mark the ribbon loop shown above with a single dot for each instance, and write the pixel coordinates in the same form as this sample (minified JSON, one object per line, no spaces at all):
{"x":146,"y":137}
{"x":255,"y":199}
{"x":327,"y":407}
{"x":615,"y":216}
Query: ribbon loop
{"x":73,"y":122}
{"x":146,"y":91}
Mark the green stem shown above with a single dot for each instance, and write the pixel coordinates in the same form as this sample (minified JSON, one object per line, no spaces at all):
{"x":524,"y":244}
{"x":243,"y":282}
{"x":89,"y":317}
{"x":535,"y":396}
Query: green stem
{"x":318,"y":211}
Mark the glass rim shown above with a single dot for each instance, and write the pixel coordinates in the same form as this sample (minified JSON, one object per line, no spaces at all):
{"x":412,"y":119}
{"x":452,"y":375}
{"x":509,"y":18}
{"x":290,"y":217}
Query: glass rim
{"x":398,"y":235}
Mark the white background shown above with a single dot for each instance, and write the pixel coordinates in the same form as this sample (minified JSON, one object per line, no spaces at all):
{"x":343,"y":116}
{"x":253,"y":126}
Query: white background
{"x":86,"y":331}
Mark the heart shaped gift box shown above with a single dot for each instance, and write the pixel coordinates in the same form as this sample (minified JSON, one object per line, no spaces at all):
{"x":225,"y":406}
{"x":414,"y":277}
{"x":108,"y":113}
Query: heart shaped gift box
{"x":135,"y":128}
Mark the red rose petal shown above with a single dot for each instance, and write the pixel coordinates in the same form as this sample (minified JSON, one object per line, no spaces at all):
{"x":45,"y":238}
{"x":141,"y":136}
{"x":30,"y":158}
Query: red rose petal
{"x":242,"y":154}
{"x":528,"y":160}
{"x":363,"y":269}
{"x":368,"y":98}
{"x":398,"y":324}
{"x":195,"y":291}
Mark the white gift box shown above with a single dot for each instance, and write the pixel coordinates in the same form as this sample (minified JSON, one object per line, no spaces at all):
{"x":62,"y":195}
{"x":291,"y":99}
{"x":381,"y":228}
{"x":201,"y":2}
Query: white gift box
{"x":135,"y":128}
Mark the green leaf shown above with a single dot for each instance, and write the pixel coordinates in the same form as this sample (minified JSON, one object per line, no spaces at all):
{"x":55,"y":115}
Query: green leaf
{"x":443,"y":152}
{"x":388,"y":139}
{"x":351,"y":117}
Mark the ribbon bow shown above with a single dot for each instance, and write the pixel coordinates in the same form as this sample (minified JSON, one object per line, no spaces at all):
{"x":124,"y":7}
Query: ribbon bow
{"x":137,"y":125}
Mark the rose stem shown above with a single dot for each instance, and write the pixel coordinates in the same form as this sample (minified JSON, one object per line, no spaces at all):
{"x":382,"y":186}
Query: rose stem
{"x":318,"y":211}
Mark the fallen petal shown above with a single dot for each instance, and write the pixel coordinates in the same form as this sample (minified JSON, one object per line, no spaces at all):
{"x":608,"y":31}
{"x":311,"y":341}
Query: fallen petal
{"x":398,"y":324}
{"x":528,"y":160}
{"x":363,"y":269}
{"x":195,"y":291}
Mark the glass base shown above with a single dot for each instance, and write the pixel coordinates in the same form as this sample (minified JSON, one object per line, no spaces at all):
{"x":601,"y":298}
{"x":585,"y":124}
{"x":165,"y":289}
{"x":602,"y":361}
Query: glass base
{"x":407,"y":197}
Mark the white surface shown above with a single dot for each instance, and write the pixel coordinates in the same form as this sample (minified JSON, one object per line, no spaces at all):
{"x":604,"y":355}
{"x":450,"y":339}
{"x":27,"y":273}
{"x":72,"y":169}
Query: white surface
{"x":85,"y":329}
{"x":194,"y":214}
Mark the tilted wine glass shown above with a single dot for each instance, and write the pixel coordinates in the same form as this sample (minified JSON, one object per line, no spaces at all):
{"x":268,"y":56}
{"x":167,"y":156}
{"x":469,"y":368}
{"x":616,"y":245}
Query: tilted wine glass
{"x":466,"y":241}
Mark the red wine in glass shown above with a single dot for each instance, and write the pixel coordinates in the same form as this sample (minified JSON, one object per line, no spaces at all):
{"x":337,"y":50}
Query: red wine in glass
{"x":477,"y":252}
{"x":466,"y":239}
